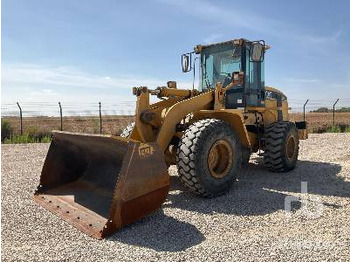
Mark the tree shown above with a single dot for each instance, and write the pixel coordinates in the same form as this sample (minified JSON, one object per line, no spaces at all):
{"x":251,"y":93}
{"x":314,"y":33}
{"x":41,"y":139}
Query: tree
{"x":322,"y":110}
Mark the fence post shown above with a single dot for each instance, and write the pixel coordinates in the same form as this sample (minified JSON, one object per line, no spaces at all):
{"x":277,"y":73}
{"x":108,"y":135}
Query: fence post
{"x":99,"y":109}
{"x":20,"y":116}
{"x":304,"y":109}
{"x":59,"y":104}
{"x":334,"y":111}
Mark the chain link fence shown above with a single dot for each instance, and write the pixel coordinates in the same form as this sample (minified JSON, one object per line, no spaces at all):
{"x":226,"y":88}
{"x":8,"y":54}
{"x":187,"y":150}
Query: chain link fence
{"x":41,"y":117}
{"x":112,"y":118}
{"x":321,"y":115}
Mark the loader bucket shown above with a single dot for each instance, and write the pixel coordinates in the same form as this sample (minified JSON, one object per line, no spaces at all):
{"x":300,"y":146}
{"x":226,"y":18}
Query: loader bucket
{"x":101,"y":183}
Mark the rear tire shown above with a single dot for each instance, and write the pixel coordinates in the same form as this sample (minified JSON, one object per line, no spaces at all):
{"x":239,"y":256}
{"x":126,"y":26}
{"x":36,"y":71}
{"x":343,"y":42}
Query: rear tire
{"x":281,"y":146}
{"x":209,"y":157}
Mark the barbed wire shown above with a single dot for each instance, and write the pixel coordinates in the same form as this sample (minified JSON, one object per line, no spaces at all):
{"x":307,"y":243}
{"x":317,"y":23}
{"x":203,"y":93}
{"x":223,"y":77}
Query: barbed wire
{"x":127,"y":107}
{"x":29,"y":109}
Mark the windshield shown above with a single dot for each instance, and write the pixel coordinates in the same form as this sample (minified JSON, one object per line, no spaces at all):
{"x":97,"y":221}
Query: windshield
{"x":218,"y":63}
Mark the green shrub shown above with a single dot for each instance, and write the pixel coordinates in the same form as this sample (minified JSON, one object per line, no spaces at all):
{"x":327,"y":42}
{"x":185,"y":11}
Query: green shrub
{"x":46,"y":139}
{"x":320,"y":129}
{"x":26,"y":138}
{"x":40,"y":136}
{"x":333,"y":129}
{"x":6,"y":130}
{"x":327,"y":110}
{"x":31,"y":131}
{"x":17,"y":139}
{"x":321,"y":110}
{"x":339,"y":128}
{"x":343,"y":109}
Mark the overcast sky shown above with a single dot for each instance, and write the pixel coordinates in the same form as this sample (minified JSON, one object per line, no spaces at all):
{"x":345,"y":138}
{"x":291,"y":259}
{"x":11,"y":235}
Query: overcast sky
{"x":87,"y":51}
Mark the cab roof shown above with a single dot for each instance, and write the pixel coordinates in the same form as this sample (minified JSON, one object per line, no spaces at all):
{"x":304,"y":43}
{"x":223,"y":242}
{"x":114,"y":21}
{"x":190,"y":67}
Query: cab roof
{"x":240,"y":41}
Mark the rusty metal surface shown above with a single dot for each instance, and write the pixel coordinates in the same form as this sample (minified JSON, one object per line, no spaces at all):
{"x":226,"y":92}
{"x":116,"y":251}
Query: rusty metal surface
{"x":73,"y":212}
{"x":101,"y":183}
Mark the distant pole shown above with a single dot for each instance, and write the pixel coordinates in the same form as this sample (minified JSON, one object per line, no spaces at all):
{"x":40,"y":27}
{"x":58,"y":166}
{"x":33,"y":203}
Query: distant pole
{"x":59,"y":104}
{"x":334,"y":111}
{"x":20,"y":116}
{"x":304,"y":109}
{"x":99,"y":109}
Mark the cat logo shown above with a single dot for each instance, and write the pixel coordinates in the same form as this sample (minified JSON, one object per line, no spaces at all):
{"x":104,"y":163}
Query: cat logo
{"x":145,"y":150}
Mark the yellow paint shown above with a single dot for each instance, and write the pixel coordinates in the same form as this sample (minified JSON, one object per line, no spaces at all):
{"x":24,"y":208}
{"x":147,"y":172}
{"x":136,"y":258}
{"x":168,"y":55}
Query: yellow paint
{"x":232,"y":116}
{"x":187,"y":106}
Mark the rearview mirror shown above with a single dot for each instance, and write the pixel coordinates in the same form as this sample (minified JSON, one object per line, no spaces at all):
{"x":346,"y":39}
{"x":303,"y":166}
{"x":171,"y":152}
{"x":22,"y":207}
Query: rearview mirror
{"x":186,"y":62}
{"x":257,"y":53}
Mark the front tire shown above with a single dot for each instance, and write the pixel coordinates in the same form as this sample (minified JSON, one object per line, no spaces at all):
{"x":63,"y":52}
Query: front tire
{"x":281,"y":146}
{"x":209,"y":157}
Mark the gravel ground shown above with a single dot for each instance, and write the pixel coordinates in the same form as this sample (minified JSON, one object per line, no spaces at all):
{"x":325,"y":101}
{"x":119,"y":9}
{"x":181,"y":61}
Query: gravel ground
{"x":249,"y":223}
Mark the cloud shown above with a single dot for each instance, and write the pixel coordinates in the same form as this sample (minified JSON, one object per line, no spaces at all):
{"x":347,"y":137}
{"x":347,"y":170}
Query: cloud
{"x":301,"y":80}
{"x":220,"y":14}
{"x":24,"y":75}
{"x":43,"y":95}
{"x":240,"y":18}
{"x":32,"y":82}
{"x":324,"y":39}
{"x":212,"y":38}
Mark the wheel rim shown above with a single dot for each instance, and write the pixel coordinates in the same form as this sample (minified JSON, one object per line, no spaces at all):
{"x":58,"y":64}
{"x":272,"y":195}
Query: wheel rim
{"x":290,"y":149}
{"x":220,"y":158}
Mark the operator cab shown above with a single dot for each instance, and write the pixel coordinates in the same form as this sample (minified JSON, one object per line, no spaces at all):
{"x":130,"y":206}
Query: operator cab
{"x":238,"y":65}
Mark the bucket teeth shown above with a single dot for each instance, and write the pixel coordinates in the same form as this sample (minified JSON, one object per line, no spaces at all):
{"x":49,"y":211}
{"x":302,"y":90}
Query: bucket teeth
{"x":101,"y":183}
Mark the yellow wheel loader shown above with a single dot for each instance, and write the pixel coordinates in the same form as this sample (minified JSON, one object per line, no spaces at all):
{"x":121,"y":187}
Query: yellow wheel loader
{"x":100,"y":183}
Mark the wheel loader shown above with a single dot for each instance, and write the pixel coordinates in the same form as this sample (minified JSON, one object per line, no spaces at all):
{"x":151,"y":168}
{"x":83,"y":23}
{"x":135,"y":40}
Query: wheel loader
{"x":100,"y":183}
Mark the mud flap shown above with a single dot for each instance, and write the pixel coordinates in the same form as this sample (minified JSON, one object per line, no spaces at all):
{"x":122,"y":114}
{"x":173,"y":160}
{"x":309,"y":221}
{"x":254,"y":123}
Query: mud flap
{"x":101,"y":183}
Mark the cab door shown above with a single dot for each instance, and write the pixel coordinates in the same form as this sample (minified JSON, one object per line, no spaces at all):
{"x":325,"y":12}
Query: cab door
{"x":254,"y":92}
